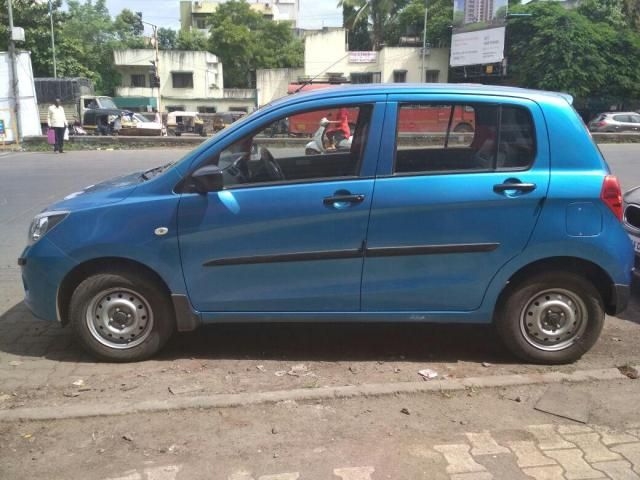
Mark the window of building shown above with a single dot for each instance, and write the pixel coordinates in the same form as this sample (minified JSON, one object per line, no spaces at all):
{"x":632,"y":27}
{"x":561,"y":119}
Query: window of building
{"x":238,"y":109}
{"x":175,"y":108}
{"x":138,"y":80}
{"x":432,"y":76}
{"x":399,"y":76}
{"x":204,"y":109}
{"x":366,"y":77}
{"x":182,"y":79}
{"x":455,"y":138}
{"x":200,"y":23}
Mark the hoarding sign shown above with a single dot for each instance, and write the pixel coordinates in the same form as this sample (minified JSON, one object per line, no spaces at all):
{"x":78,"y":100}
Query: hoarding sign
{"x":478,"y":32}
{"x":477,"y":48}
{"x":363,"y":57}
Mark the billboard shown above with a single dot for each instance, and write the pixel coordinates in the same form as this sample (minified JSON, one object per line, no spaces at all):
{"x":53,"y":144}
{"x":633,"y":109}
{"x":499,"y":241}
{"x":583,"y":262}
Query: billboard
{"x":478,"y":32}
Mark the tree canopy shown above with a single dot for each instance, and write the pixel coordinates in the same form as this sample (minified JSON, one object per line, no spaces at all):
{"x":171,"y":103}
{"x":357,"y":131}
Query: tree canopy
{"x":244,"y":41}
{"x":588,"y":51}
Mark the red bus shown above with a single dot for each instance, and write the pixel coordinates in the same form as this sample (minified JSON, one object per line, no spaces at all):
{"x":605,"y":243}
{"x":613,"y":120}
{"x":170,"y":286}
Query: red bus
{"x":422,"y":119}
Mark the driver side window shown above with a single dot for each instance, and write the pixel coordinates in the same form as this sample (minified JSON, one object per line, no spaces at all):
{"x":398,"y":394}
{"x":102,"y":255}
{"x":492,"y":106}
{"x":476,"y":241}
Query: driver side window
{"x":313,"y":145}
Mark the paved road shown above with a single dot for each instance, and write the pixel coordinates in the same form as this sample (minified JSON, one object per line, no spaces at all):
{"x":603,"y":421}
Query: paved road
{"x":469,"y":435}
{"x":39,"y":361}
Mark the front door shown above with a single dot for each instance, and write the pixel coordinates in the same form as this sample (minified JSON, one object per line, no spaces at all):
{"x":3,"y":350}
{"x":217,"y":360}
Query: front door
{"x":287,"y":232}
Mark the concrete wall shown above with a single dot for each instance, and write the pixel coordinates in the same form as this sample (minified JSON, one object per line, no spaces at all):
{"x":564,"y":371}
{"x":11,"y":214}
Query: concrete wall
{"x":272,"y":83}
{"x":327,"y":51}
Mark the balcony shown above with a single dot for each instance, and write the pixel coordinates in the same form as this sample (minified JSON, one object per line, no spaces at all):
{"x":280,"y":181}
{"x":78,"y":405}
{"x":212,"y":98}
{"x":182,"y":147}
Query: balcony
{"x":239,"y":93}
{"x":136,"y":92}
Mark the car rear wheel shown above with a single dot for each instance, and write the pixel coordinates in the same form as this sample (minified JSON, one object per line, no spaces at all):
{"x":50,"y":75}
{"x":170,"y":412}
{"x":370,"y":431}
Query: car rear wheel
{"x":551,"y":318}
{"x":121,"y":317}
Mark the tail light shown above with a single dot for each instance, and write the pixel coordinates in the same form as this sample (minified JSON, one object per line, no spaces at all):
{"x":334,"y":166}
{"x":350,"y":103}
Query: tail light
{"x":611,"y":195}
{"x":600,"y":124}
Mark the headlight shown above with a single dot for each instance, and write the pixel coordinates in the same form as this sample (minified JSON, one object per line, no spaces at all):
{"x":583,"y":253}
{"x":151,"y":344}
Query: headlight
{"x":44,"y":222}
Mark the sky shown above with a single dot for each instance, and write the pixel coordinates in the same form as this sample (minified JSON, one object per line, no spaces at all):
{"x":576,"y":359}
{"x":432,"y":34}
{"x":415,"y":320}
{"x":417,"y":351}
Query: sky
{"x":166,"y":13}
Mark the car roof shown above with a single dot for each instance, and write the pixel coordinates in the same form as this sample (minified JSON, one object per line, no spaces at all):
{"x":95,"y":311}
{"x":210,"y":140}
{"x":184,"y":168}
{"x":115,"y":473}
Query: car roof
{"x":438,"y":88}
{"x":619,"y":113}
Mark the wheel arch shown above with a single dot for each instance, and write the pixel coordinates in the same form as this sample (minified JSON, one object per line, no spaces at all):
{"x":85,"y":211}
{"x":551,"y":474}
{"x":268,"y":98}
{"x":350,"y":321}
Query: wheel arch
{"x":100,"y":265}
{"x":598,"y":277}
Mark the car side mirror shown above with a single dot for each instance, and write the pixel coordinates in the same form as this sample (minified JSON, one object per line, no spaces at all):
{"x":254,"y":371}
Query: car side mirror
{"x":208,"y":179}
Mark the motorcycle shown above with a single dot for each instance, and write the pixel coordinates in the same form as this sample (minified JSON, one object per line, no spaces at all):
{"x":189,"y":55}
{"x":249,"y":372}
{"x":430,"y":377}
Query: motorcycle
{"x":323,"y":141}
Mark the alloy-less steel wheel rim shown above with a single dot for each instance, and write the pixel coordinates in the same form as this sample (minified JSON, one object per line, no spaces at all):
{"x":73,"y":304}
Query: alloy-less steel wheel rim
{"x":553,"y":319}
{"x":119,"y":318}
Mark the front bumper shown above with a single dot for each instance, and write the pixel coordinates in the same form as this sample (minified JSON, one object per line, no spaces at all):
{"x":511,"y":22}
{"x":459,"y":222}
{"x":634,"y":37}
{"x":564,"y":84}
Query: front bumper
{"x":43,"y":267}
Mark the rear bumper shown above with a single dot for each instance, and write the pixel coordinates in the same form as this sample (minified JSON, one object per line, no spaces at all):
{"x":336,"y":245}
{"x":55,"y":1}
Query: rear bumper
{"x":620,"y":298}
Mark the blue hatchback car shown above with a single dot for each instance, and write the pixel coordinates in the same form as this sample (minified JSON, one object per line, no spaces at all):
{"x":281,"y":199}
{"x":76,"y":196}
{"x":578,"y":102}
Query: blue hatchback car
{"x":514,"y":220}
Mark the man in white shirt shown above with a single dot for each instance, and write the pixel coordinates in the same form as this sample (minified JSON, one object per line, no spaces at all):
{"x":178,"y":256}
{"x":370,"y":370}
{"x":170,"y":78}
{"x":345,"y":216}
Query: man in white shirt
{"x":58,"y":121}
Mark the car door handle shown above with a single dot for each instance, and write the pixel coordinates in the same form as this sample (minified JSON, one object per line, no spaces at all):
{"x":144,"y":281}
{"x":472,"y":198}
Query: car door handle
{"x":522,"y":187}
{"x":346,"y":198}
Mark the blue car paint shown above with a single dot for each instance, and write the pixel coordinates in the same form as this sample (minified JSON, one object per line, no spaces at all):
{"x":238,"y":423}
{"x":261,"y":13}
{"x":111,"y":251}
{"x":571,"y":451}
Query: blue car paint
{"x":92,"y":231}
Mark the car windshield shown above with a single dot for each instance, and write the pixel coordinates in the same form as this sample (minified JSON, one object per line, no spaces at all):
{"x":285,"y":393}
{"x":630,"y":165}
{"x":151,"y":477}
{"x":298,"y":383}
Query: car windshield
{"x":139,"y":118}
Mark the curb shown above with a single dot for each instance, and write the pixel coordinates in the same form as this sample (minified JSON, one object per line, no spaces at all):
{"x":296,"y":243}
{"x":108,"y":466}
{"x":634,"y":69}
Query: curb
{"x":323,"y":393}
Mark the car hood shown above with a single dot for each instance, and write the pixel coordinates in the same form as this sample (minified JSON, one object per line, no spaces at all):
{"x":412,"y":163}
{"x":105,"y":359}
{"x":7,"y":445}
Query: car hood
{"x":103,"y":193}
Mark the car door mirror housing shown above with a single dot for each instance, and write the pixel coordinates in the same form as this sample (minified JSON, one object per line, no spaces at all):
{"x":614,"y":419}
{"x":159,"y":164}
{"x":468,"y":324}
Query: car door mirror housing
{"x":208,"y":179}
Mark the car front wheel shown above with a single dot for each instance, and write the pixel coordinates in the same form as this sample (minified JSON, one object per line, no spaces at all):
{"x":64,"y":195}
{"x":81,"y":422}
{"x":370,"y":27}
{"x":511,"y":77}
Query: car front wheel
{"x":121,"y":317}
{"x":551,"y":318}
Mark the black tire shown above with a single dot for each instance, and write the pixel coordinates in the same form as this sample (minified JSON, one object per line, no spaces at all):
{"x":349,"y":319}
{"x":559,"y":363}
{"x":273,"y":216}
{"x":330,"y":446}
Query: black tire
{"x":550,"y":318}
{"x":463,"y":128}
{"x":138,"y":318}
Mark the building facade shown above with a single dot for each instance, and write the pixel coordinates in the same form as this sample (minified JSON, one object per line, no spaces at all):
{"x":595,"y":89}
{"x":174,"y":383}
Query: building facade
{"x":327,"y":58}
{"x":189,"y":80}
{"x":194,"y":13}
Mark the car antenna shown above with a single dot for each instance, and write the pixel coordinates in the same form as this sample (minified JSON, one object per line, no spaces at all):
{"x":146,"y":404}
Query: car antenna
{"x":309,"y":81}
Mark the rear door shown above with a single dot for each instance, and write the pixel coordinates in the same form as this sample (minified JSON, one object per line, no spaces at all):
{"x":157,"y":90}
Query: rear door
{"x":450,"y":209}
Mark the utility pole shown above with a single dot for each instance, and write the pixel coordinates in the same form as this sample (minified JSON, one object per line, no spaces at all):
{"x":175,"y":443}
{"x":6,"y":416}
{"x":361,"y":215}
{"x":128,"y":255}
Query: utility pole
{"x":156,"y":80}
{"x":424,"y":42}
{"x":53,"y":42}
{"x":14,"y":77}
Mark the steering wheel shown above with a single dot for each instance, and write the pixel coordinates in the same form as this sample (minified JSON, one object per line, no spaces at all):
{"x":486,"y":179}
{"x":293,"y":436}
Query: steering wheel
{"x":270,"y":165}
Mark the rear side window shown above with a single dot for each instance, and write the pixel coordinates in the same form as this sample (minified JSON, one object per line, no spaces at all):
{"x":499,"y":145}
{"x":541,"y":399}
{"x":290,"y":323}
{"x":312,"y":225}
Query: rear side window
{"x":439,"y":138}
{"x":621,"y":118}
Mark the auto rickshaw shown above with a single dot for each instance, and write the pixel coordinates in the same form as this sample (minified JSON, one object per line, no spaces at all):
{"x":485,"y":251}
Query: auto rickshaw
{"x":185,"y":122}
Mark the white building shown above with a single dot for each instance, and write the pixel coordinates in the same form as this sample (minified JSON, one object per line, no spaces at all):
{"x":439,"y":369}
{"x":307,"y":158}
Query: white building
{"x":194,"y":13}
{"x":327,"y":55}
{"x":189,"y":80}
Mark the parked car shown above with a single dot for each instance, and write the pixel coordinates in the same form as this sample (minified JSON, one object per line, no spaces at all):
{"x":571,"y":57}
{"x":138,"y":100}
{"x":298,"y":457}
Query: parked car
{"x":615,"y":122}
{"x":134,"y":124}
{"x":518,"y":224}
{"x":632,"y":220}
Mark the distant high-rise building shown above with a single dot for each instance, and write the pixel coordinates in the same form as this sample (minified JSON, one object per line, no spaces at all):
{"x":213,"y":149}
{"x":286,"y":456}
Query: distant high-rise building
{"x":478,"y":11}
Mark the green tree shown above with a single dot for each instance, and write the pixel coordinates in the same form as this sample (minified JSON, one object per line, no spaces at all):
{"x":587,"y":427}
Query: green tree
{"x":191,"y":40}
{"x":245,"y":41}
{"x":34,"y":19}
{"x":167,"y":38}
{"x":560,"y":49}
{"x":128,"y":29}
{"x":410,"y":21}
{"x":381,"y":15}
{"x":358,"y":30}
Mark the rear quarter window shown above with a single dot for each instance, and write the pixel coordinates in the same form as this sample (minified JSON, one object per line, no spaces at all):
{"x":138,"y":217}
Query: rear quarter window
{"x":452,"y":138}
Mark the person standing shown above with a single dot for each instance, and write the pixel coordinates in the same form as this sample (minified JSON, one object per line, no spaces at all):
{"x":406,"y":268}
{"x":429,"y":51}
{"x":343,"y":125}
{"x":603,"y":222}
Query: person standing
{"x":58,"y":121}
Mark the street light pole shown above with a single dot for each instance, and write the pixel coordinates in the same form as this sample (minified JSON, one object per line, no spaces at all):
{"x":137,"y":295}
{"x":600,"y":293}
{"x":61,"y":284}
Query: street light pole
{"x":53,"y":42}
{"x":157,"y":55}
{"x":14,"y":78}
{"x":424,"y":42}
